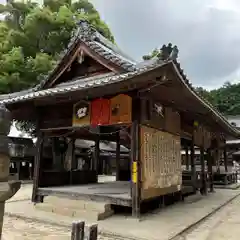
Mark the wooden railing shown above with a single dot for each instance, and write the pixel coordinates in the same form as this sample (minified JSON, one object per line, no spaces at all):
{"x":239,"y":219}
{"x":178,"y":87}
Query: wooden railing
{"x":80,"y":233}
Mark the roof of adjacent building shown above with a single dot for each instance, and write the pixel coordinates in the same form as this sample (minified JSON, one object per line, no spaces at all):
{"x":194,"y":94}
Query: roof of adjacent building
{"x":100,"y":45}
{"x":104,"y":145}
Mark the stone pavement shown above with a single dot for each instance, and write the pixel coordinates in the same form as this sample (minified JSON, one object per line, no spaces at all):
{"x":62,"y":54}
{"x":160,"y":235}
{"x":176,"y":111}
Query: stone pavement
{"x":224,"y":225}
{"x":24,"y":193}
{"x":160,"y":225}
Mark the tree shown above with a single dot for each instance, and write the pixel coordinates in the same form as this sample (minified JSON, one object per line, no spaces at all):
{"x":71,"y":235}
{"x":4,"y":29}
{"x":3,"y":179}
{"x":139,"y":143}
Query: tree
{"x":226,"y":98}
{"x":152,"y":54}
{"x":32,"y":36}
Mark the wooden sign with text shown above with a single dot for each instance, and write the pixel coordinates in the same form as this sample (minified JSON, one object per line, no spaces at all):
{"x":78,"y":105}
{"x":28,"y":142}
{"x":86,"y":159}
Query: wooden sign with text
{"x":81,"y":114}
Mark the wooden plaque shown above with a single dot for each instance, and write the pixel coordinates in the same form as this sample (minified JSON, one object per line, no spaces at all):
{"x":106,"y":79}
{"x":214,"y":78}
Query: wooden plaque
{"x":100,"y":112}
{"x":81,"y":114}
{"x":160,"y":159}
{"x":121,"y":109}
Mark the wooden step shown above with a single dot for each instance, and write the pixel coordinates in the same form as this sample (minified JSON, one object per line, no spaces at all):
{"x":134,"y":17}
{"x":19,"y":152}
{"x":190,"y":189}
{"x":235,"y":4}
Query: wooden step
{"x":82,"y":209}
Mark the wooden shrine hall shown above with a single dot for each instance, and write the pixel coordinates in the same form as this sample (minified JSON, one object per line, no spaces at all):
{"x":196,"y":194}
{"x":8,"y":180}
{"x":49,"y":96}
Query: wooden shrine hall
{"x":98,"y":93}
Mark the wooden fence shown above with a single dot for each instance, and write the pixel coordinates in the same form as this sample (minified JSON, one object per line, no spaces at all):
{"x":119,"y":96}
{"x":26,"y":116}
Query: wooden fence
{"x":78,"y":231}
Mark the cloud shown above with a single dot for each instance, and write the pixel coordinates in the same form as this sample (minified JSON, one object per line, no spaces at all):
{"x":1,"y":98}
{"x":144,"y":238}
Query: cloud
{"x":207,"y":34}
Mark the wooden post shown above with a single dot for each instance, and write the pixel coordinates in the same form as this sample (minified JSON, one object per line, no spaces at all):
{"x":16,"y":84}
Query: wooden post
{"x":225,"y":159}
{"x":187,"y":157}
{"x":210,"y":169}
{"x":96,"y":154}
{"x":37,"y":166}
{"x":117,"y":155}
{"x":77,"y":231}
{"x":217,"y":159}
{"x":136,"y":194}
{"x":73,"y":158}
{"x":203,"y":175}
{"x":18,"y":169}
{"x":193,"y":166}
{"x":93,"y":232}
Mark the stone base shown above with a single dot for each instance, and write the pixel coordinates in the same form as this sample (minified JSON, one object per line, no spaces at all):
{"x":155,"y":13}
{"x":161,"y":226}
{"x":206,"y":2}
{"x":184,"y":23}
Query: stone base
{"x":81,"y":209}
{"x":232,"y":186}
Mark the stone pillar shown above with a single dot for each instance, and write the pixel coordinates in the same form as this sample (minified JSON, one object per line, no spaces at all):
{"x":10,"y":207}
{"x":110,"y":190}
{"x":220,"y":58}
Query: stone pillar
{"x":7,"y":189}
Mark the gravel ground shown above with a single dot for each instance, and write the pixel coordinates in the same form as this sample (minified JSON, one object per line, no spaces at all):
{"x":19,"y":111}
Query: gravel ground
{"x":15,"y":228}
{"x":19,"y":229}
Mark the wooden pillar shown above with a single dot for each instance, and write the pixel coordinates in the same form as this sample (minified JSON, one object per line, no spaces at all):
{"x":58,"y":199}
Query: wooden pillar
{"x":225,"y":159}
{"x":193,"y":166}
{"x":73,"y":158}
{"x":210,"y":169}
{"x":74,"y":163}
{"x":203,"y":174}
{"x":135,"y":160}
{"x":37,"y":166}
{"x":54,"y":153}
{"x":217,"y":156}
{"x":18,"y":163}
{"x":96,"y":154}
{"x":187,"y":157}
{"x":117,"y":155}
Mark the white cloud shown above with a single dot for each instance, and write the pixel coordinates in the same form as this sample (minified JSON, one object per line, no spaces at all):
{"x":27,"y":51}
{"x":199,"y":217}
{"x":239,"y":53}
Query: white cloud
{"x":207,"y":34}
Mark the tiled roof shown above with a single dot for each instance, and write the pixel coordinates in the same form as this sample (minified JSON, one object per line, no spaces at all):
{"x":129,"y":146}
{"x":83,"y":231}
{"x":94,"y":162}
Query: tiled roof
{"x":78,"y":84}
{"x":99,"y":44}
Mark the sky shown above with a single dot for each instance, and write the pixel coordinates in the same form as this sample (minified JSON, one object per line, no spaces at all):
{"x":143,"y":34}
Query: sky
{"x":206,"y":33}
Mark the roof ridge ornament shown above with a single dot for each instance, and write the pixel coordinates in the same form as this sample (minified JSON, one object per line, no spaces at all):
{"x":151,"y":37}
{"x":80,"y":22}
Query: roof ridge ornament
{"x":85,"y":30}
{"x":168,"y":52}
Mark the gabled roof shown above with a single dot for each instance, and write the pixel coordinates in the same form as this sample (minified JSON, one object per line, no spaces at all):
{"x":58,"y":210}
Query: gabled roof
{"x":78,"y":84}
{"x":90,"y":37}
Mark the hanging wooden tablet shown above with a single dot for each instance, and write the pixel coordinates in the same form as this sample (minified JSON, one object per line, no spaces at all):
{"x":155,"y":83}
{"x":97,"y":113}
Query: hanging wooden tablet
{"x":81,"y":114}
{"x":100,"y":112}
{"x":121,"y":109}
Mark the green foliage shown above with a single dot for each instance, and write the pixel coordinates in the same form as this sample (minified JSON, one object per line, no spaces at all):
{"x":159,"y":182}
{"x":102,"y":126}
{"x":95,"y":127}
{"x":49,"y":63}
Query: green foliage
{"x":32,"y":36}
{"x":153,"y":54}
{"x":226,"y":98}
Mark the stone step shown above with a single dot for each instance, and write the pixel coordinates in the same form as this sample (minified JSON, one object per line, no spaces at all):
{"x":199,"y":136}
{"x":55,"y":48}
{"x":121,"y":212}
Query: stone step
{"x":76,"y":208}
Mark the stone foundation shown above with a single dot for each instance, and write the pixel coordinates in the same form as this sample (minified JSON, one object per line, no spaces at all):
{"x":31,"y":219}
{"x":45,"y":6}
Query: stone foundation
{"x":81,"y":209}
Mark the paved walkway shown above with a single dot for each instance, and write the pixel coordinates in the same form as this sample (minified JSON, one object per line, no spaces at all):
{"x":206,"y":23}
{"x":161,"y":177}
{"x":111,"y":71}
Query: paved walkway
{"x":224,"y":225}
{"x":160,"y":225}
